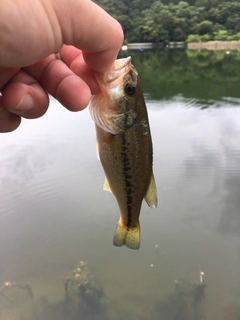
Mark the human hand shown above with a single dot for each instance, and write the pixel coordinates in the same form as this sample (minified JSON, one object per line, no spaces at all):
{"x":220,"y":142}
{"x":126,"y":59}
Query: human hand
{"x":31,"y":32}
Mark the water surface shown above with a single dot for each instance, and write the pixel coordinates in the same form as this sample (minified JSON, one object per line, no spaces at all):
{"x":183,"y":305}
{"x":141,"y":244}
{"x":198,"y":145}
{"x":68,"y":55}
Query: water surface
{"x":54,"y":213}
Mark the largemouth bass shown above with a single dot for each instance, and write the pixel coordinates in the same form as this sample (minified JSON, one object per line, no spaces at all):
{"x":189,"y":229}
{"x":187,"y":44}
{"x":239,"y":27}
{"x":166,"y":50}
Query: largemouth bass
{"x":124,"y":147}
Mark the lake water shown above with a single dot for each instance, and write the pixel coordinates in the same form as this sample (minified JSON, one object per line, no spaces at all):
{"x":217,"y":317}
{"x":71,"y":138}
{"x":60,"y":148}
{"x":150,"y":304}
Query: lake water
{"x":54,"y":213}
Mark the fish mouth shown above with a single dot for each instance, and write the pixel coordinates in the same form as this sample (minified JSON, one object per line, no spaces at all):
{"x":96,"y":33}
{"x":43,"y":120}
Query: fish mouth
{"x":122,"y":67}
{"x":122,"y":63}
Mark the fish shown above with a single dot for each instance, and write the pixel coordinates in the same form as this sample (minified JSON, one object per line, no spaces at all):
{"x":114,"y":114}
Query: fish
{"x":124,"y":147}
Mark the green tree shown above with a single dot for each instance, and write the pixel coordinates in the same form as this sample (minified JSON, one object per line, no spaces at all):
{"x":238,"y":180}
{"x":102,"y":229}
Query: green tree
{"x":174,"y":20}
{"x":183,"y":4}
{"x":158,"y":22}
{"x":221,"y":35}
{"x":183,"y":13}
{"x":217,"y":27}
{"x":236,"y":37}
{"x":193,"y":38}
{"x":233,"y":23}
{"x":205,"y":27}
{"x":206,"y":37}
{"x":179,"y":35}
{"x":212,"y":15}
{"x":202,"y":3}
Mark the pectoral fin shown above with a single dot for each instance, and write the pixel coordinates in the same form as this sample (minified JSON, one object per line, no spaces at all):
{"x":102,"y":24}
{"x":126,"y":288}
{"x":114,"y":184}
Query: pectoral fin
{"x":151,"y":194}
{"x":106,"y":186}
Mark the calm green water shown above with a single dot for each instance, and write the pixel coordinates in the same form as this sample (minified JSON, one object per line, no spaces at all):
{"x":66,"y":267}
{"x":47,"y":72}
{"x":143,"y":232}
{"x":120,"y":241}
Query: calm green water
{"x":54,"y":213}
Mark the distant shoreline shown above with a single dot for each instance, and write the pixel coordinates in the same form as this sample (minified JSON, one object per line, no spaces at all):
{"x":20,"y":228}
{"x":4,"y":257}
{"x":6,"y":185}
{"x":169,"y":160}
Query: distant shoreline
{"x":210,"y":45}
{"x":214,"y":45}
{"x":152,"y":45}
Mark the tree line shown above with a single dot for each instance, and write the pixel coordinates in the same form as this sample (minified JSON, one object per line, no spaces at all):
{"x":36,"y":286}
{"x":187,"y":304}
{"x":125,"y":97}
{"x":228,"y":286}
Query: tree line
{"x":174,"y":20}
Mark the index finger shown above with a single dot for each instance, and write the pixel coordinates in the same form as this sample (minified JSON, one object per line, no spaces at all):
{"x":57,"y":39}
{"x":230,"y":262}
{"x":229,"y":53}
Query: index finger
{"x":40,"y":28}
{"x":93,"y":31}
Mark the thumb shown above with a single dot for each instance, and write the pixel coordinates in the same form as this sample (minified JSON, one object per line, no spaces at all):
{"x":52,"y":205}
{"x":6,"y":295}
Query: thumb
{"x":40,"y":28}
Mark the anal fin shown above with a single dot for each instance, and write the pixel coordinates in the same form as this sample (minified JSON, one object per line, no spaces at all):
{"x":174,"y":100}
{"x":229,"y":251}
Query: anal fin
{"x":106,"y":186}
{"x":151,"y":194}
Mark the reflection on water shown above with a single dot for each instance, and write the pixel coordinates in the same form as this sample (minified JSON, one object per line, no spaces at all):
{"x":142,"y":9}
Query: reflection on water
{"x":205,"y":76}
{"x":54,"y":213}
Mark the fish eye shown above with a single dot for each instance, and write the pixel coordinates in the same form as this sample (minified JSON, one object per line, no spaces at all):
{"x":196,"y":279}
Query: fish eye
{"x":130,"y":89}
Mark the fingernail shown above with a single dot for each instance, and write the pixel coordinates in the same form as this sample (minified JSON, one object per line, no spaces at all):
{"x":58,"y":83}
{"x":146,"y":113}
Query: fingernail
{"x":26,"y":103}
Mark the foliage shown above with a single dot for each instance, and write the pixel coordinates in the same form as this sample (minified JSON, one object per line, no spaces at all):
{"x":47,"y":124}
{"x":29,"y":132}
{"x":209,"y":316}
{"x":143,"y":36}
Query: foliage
{"x":205,"y":27}
{"x":174,"y":20}
{"x":221,"y":35}
{"x":194,"y":38}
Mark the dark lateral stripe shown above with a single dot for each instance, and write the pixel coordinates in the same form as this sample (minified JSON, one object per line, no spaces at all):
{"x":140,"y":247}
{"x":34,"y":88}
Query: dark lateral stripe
{"x":127,"y":179}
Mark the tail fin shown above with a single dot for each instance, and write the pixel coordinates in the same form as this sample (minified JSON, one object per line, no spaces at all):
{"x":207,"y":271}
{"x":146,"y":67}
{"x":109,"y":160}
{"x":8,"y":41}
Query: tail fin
{"x":130,"y":237}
